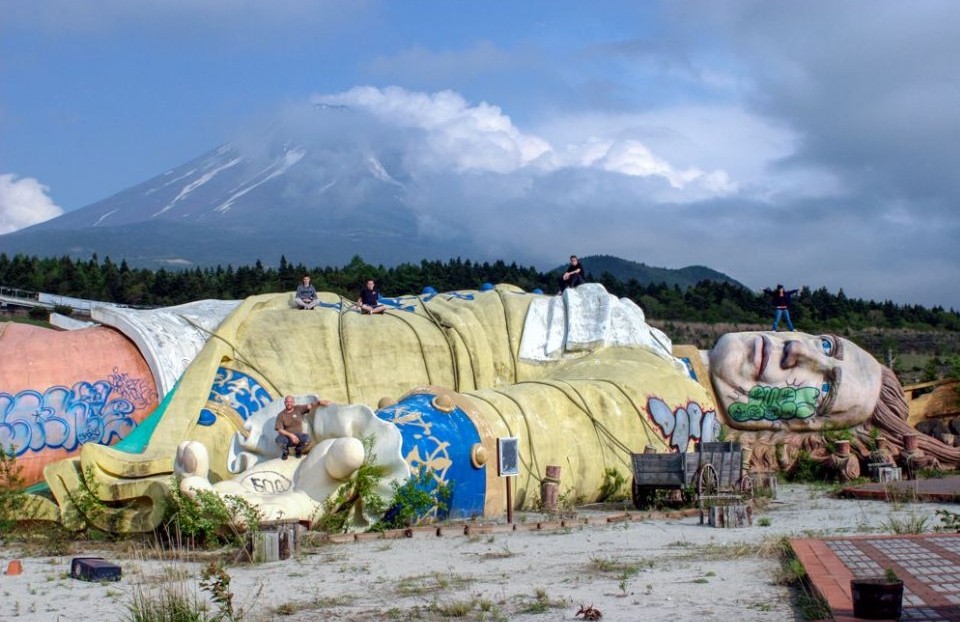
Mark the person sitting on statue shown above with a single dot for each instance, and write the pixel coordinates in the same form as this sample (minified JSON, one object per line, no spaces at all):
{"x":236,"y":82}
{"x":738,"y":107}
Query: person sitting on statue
{"x":306,"y":296}
{"x":574,"y":275}
{"x":369,"y":300}
{"x":289,"y":426}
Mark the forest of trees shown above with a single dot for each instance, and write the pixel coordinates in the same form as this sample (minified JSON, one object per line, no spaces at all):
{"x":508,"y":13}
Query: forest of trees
{"x":708,"y":301}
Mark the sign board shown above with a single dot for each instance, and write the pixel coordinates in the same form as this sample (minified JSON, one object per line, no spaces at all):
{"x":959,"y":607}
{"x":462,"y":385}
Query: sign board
{"x":508,"y":456}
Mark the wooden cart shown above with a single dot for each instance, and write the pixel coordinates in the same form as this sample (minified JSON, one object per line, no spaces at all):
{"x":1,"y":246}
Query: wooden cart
{"x":714,"y":468}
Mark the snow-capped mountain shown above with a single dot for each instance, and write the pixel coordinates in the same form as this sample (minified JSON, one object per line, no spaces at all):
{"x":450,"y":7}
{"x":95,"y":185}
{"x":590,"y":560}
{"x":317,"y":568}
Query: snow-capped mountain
{"x":313,"y":202}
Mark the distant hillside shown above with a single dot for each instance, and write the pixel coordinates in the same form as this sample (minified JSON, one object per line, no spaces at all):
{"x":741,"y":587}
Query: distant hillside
{"x":624,"y":270}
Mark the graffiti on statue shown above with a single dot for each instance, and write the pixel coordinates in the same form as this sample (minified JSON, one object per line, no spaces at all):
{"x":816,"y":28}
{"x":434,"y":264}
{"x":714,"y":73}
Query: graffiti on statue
{"x":777,"y":403}
{"x":679,"y":425}
{"x":66,"y":417}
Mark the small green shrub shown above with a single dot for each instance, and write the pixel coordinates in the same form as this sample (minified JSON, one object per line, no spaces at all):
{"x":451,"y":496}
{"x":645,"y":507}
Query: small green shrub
{"x":806,"y":469}
{"x":209,"y":520}
{"x":914,"y":524}
{"x":613,"y":488}
{"x":63,"y":310}
{"x":360,"y":488}
{"x":419,"y":498}
{"x":12,"y":496}
{"x":171,"y":603}
{"x":216,"y":581}
{"x":88,"y":508}
{"x":950,"y":520}
{"x":38,"y":313}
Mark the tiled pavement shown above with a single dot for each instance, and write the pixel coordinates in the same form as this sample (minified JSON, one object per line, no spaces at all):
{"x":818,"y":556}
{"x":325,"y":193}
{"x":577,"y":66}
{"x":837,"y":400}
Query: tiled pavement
{"x":928,"y":564}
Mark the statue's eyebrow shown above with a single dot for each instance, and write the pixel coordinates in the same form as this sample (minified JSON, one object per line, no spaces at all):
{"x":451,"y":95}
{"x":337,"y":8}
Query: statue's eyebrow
{"x":838,"y":347}
{"x":833,"y":377}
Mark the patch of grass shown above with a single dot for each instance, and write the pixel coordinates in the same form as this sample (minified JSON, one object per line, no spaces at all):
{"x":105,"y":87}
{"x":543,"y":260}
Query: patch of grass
{"x":914,"y":524}
{"x":172,"y":603}
{"x":504,"y":553}
{"x":714,"y":552}
{"x":542,"y":603}
{"x":618,"y":566}
{"x":427,"y":583}
{"x":950,"y":521}
{"x":793,"y":575}
{"x":764,"y":521}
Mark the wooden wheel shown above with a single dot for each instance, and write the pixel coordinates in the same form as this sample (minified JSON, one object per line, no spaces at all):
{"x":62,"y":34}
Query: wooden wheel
{"x":708,"y":482}
{"x":746,"y":486}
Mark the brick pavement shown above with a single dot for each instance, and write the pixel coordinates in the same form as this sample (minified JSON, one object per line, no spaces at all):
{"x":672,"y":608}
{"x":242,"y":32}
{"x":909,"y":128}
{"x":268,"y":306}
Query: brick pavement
{"x":942,"y":489}
{"x":928,"y":564}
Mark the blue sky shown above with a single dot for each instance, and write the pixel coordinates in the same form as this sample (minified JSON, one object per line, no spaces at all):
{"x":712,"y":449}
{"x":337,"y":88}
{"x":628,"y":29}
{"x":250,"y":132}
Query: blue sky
{"x":813,"y":142}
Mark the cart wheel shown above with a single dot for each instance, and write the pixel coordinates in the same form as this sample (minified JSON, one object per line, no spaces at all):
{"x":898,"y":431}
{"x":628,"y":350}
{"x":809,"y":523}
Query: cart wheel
{"x":708,"y":482}
{"x":746,"y":486}
{"x":642,"y":496}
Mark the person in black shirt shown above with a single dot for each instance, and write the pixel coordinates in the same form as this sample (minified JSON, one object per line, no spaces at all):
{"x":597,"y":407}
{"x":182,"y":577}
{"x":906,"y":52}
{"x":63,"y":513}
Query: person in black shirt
{"x":781,"y":302}
{"x":574,"y":274}
{"x":369,"y":300}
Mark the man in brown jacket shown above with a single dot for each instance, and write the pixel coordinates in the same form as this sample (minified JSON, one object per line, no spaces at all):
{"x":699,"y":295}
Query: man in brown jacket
{"x":289,"y":426}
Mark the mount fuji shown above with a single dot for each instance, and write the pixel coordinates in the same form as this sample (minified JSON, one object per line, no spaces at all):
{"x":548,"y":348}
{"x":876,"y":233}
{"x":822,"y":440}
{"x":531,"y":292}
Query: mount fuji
{"x":313,"y":200}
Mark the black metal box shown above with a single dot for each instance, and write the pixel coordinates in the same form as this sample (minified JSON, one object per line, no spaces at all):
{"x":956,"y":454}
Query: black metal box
{"x":94,"y":569}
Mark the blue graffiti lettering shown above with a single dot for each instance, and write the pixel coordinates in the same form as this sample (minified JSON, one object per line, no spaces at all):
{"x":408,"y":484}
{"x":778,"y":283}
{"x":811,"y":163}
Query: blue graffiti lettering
{"x":65,"y":418}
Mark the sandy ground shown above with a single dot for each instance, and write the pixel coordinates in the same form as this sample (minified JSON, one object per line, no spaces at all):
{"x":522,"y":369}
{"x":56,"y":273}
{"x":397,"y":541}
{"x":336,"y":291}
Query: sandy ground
{"x":670,"y":569}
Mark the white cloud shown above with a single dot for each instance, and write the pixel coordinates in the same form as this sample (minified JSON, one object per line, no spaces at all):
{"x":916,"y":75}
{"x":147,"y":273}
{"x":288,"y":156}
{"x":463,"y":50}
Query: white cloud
{"x":24,"y":202}
{"x":456,"y":136}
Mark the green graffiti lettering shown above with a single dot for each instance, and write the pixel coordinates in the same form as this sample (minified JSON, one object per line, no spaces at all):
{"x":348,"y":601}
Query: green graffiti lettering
{"x":776,"y":403}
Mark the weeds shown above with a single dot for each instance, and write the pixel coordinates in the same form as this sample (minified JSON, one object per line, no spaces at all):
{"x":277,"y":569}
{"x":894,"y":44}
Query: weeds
{"x":13,"y":499}
{"x":792,"y":574}
{"x":542,"y":603}
{"x":359,"y":490}
{"x":425,"y":584}
{"x":419,"y":498}
{"x":950,"y":520}
{"x":613,"y":488}
{"x":209,"y":520}
{"x":914,"y":524}
{"x":172,"y":603}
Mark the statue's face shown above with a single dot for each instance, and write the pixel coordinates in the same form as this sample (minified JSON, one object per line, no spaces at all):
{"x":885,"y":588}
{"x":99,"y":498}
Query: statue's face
{"x":793,"y":380}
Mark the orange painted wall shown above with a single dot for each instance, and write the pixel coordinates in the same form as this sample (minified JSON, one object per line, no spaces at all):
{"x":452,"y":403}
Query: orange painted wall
{"x":62,"y":389}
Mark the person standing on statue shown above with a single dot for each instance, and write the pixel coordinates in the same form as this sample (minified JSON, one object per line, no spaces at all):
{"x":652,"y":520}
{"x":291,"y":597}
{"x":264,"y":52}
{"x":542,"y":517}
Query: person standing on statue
{"x":781,"y":303}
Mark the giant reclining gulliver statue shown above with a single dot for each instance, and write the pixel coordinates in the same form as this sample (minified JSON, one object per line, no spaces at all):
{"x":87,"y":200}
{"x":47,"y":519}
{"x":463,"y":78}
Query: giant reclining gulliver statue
{"x":580,"y":379}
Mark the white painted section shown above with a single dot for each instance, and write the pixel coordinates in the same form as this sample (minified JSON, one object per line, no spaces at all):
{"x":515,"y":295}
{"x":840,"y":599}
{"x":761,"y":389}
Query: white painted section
{"x":168,"y":338}
{"x":584,"y":319}
{"x":80,"y":304}
{"x":68,"y":323}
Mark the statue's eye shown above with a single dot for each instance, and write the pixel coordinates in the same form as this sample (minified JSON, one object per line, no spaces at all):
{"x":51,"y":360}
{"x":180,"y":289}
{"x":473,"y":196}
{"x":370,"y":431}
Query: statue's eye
{"x":828,"y":346}
{"x":825,"y":388}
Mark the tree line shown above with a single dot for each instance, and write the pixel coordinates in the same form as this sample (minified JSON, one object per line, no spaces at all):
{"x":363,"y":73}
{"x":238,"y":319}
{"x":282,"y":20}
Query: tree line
{"x":707,"y":301}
